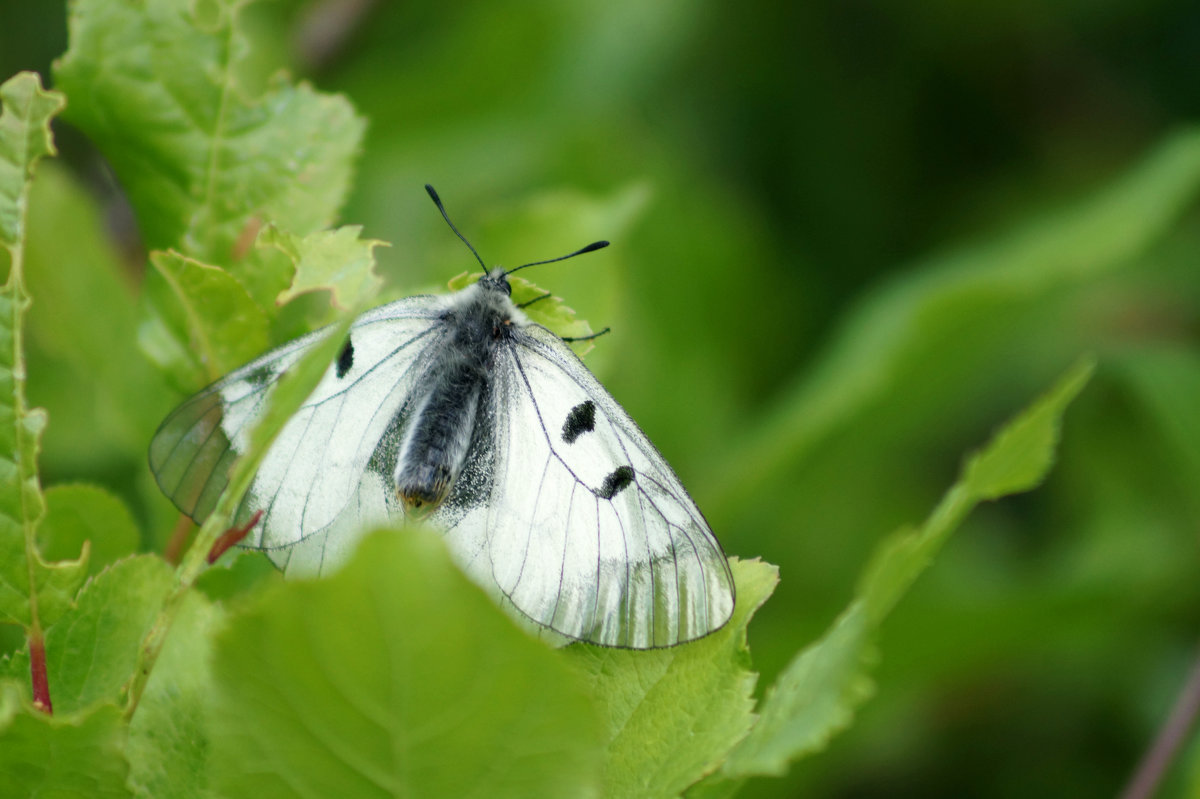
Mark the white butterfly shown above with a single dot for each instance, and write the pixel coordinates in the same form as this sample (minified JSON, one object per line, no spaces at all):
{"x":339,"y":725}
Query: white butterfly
{"x":458,"y":410}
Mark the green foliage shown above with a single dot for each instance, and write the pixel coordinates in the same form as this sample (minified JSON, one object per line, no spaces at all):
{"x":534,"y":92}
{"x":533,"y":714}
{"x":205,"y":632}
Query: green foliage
{"x":83,"y":334}
{"x":895,"y":333}
{"x":818,"y":692}
{"x":169,"y":744}
{"x":431,"y":692}
{"x":68,"y":755}
{"x":221,"y":325}
{"x":92,"y":650}
{"x":810,"y":413}
{"x":24,"y":140}
{"x":78,"y":513}
{"x":672,"y":715}
{"x":160,"y":88}
{"x":33,"y":592}
{"x":333,"y":260}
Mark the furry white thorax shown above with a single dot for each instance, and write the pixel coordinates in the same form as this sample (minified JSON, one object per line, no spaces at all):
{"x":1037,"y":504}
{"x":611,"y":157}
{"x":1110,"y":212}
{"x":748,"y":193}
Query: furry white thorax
{"x":491,"y":293}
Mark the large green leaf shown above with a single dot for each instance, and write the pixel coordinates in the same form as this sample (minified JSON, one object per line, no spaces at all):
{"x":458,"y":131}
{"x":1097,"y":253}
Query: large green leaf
{"x":396,"y":677}
{"x":159,"y":87}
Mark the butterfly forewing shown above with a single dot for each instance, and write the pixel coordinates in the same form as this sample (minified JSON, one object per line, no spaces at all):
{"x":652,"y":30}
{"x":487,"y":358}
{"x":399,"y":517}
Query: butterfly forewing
{"x":316,"y":464}
{"x":192,"y":450}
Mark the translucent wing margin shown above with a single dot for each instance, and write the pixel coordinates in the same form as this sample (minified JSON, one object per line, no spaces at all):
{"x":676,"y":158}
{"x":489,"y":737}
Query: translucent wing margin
{"x":583,"y":526}
{"x":316,"y":472}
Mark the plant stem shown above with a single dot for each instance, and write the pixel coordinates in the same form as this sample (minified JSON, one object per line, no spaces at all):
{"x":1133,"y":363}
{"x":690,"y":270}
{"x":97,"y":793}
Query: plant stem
{"x":37,"y":672}
{"x":185,"y":576}
{"x":1158,"y":758}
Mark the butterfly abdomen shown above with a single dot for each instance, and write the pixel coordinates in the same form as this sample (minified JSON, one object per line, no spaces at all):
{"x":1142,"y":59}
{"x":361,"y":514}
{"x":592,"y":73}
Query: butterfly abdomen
{"x":438,"y":434}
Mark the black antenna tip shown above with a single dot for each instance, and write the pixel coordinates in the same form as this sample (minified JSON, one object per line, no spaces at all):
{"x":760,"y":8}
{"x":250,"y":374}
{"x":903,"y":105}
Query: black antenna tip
{"x":595,"y":245}
{"x":433,"y":195}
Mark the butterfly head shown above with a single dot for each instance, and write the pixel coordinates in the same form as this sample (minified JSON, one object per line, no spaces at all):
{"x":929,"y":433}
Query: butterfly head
{"x":496,"y":280}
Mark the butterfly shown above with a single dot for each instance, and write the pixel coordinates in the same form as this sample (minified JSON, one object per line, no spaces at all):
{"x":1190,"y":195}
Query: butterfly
{"x":459,"y":411}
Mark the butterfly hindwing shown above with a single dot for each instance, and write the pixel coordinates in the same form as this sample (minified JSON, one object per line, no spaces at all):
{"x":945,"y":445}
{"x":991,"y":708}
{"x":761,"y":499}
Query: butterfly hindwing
{"x":587,"y":530}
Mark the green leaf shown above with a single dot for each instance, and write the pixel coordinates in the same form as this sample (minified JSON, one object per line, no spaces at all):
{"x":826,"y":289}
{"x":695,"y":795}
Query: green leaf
{"x":32,"y":592}
{"x":814,"y":698}
{"x":24,"y":140}
{"x":396,"y":677}
{"x":91,"y":651}
{"x":80,"y":513}
{"x":209,"y":309}
{"x":168,"y":739}
{"x":30,"y":588}
{"x":74,"y":755}
{"x":671,"y":715}
{"x":817,"y":694}
{"x":337,"y":261}
{"x":1020,"y":456}
{"x":159,"y":86}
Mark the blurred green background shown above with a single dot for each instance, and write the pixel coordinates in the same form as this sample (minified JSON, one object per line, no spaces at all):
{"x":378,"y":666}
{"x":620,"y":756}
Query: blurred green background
{"x":849,"y":238}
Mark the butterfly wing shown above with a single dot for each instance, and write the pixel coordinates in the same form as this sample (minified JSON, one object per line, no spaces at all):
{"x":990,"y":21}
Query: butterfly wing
{"x":575,"y":517}
{"x":326,"y":470}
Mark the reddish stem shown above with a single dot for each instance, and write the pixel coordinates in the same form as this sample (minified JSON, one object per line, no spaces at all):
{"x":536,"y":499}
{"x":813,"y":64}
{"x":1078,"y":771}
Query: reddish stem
{"x":231,"y":537}
{"x":37,"y":673}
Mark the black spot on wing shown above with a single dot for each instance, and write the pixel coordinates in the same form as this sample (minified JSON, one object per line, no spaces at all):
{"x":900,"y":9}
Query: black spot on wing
{"x":262,"y":376}
{"x":581,"y":419}
{"x":615,"y":482}
{"x":345,"y":358}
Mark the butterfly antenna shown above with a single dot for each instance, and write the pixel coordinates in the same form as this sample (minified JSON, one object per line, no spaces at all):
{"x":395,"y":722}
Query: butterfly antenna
{"x":595,"y":245}
{"x":438,"y":202}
